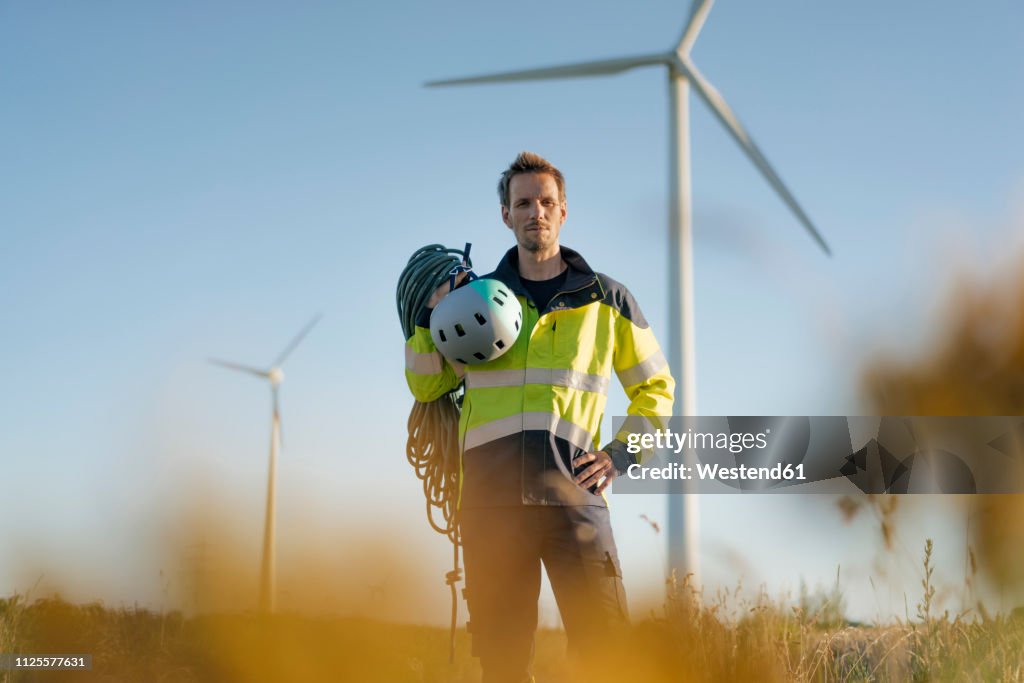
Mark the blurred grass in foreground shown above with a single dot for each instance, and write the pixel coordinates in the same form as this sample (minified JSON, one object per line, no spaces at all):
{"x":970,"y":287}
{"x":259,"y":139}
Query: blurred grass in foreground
{"x":730,"y":639}
{"x":973,"y":365}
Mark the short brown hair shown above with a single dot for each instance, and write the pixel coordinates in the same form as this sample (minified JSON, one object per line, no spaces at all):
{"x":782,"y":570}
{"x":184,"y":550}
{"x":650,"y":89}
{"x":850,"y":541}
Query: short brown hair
{"x":528,"y":162}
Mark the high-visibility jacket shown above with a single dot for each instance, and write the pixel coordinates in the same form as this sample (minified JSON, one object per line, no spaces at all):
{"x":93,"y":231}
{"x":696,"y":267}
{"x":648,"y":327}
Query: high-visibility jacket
{"x":527,"y":414}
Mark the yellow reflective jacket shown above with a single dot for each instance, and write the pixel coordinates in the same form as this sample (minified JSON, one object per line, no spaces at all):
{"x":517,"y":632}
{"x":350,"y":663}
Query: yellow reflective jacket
{"x":527,"y":414}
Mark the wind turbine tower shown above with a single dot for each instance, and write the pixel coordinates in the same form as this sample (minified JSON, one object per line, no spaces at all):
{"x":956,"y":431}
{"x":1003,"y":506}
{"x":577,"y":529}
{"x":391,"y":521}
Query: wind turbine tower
{"x":683,"y":526}
{"x":275,"y":376}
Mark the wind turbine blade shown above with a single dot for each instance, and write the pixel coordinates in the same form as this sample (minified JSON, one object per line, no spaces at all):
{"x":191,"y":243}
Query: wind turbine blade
{"x":717,"y":103}
{"x":698,"y":13}
{"x":595,"y":68}
{"x":295,"y":342}
{"x":242,"y":368}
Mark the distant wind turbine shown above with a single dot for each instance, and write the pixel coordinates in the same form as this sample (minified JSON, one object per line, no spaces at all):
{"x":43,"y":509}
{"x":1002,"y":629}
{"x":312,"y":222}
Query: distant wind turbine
{"x":275,"y":375}
{"x":683,"y":527}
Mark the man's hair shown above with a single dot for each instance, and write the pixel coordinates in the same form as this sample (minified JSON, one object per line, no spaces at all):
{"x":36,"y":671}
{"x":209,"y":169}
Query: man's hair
{"x":528,"y":162}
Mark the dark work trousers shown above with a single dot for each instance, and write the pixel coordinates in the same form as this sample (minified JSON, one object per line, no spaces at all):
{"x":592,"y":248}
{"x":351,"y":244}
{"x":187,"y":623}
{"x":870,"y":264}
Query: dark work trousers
{"x":504,"y":548}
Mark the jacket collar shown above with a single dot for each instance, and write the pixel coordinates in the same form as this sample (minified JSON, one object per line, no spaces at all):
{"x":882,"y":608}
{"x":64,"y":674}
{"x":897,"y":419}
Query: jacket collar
{"x":580,"y":274}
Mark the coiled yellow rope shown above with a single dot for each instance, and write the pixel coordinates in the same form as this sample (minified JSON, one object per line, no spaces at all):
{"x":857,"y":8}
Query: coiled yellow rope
{"x":433,"y":451}
{"x":433,"y":445}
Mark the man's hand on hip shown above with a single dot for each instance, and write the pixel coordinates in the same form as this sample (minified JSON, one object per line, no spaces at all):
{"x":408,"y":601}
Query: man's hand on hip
{"x":601,"y":471}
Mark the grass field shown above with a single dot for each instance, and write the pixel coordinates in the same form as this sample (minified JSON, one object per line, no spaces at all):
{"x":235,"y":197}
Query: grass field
{"x":725,"y":638}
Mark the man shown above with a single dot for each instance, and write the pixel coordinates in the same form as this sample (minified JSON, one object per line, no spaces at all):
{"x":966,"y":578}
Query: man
{"x":533,"y":472}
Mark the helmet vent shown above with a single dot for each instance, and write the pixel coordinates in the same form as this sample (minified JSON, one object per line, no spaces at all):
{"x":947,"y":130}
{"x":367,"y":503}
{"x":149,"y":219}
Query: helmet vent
{"x":459,"y":331}
{"x":462,"y":361}
{"x":500,"y":302}
{"x":517,"y":326}
{"x":479,"y":356}
{"x":480,"y":319}
{"x":499,"y":344}
{"x":440,"y":333}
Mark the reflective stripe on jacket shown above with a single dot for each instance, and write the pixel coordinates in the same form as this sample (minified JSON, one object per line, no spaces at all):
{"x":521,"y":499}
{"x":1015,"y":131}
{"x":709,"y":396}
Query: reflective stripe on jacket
{"x":528,"y":413}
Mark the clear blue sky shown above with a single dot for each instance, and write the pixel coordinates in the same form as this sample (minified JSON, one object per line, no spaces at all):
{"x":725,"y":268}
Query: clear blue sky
{"x":191,"y":179}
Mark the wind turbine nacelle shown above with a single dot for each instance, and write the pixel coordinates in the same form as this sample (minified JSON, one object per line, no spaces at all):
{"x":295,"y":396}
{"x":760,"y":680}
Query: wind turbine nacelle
{"x":477,"y":322}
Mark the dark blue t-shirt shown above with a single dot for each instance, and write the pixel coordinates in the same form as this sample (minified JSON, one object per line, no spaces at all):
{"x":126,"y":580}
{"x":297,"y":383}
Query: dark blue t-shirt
{"x":541,"y":291}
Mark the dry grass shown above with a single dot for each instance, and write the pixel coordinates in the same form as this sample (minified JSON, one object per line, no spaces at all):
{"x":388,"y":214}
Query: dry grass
{"x":730,"y":639}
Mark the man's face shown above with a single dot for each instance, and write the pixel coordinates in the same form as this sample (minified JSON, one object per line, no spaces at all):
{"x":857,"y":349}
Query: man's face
{"x":535,"y":212}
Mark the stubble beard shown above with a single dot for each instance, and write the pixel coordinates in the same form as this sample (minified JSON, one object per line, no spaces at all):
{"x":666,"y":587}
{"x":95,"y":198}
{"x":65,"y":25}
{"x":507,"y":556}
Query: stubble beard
{"x":533,"y":244}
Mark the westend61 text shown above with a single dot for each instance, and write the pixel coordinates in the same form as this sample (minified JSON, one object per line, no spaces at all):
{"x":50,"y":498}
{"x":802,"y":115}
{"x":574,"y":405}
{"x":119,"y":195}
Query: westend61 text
{"x":715,"y":472}
{"x":736,"y":442}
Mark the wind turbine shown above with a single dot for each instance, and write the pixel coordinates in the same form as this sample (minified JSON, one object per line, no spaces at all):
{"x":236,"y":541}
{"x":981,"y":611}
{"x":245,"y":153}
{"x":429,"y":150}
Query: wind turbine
{"x":683,"y":528}
{"x":275,"y":376}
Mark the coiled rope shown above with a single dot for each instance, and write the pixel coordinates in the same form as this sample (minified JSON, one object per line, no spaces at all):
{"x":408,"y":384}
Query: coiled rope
{"x":433,"y":451}
{"x":433,"y":445}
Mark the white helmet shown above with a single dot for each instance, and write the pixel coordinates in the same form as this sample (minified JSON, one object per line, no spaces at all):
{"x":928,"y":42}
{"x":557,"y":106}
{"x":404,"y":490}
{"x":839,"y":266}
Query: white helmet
{"x":477,"y":322}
